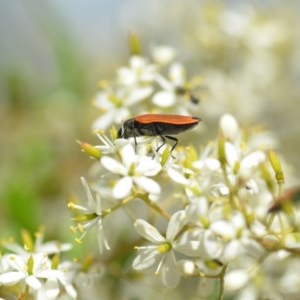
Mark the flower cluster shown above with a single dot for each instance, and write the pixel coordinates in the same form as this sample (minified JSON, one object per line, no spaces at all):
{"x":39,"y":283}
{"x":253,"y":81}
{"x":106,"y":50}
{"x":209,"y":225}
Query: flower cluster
{"x":227,"y":215}
{"x":241,"y":51}
{"x":35,"y":271}
{"x":211,"y":218}
{"x":144,"y":86}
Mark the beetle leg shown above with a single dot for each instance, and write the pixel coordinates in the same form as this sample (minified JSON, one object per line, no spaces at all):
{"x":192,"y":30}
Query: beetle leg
{"x":163,"y":138}
{"x":135,"y":143}
{"x":173,"y":139}
{"x":163,"y":142}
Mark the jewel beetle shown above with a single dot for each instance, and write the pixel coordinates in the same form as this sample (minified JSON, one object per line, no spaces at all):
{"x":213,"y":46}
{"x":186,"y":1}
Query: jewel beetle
{"x":161,"y":125}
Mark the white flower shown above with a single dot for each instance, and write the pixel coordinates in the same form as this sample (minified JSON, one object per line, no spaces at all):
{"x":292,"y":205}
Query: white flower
{"x":135,"y":171}
{"x":237,"y":235}
{"x":36,"y":246}
{"x":167,"y":97}
{"x":4,"y":264}
{"x":114,"y":105}
{"x":243,"y":165}
{"x":210,"y":175}
{"x":70,"y":271}
{"x":160,"y":253}
{"x":207,"y":245}
{"x":90,"y":216}
{"x":113,"y":108}
{"x":175,"y":172}
{"x":229,"y":127}
{"x":207,"y":165}
{"x":139,"y":72}
{"x":33,"y":271}
{"x":236,"y":279}
{"x":107,"y":145}
{"x":163,"y":54}
{"x":241,"y":162}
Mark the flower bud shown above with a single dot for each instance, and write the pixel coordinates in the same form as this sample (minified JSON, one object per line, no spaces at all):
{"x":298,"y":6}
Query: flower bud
{"x":89,"y":149}
{"x":276,"y":165}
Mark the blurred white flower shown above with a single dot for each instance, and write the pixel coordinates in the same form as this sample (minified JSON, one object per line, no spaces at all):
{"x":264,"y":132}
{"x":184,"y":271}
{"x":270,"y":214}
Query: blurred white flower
{"x":168,"y":95}
{"x":229,"y":127}
{"x":236,"y":279}
{"x":163,"y":54}
{"x":115,"y":105}
{"x":36,"y":246}
{"x":138,"y":73}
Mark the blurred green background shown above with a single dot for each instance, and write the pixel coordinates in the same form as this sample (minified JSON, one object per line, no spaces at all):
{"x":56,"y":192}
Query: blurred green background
{"x":53,"y":53}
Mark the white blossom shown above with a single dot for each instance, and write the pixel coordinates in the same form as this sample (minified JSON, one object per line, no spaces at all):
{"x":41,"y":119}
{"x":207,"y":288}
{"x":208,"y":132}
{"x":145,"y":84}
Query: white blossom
{"x":134,"y":171}
{"x":35,"y":271}
{"x":160,"y":252}
{"x":90,"y":216}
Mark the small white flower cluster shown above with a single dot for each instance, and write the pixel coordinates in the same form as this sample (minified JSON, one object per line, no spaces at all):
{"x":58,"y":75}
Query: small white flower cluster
{"x":145,"y":85}
{"x":35,"y":271}
{"x":239,"y":52}
{"x":227,"y":216}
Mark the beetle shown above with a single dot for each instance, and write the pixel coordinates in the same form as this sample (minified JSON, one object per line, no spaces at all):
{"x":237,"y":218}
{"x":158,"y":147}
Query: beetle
{"x":161,"y":125}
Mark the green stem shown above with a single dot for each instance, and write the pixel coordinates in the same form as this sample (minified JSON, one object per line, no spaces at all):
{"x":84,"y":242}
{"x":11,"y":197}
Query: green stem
{"x":25,"y":295}
{"x":154,"y":206}
{"x":118,"y":205}
{"x":143,"y":197}
{"x":221,"y":277}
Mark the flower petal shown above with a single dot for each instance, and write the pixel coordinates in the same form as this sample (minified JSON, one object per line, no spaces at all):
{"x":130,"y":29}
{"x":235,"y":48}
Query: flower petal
{"x":177,"y":74}
{"x":128,"y":155}
{"x":223,"y":228}
{"x":52,"y":288}
{"x":210,"y":164}
{"x":177,"y":177}
{"x":163,"y":54}
{"x":148,"y":231}
{"x":123,"y":188}
{"x":11,"y":278}
{"x":33,"y":282}
{"x":147,"y":184}
{"x":211,"y":245}
{"x":16,"y":262}
{"x":232,"y":155}
{"x":170,"y":274}
{"x":146,"y":258}
{"x":164,"y":99}
{"x":139,"y":94}
{"x":232,"y":250}
{"x":189,"y":248}
{"x":229,"y":127}
{"x":178,"y":220}
{"x":105,"y":121}
{"x":147,"y":167}
{"x":236,"y":279}
{"x":253,"y":160}
{"x":113,"y":165}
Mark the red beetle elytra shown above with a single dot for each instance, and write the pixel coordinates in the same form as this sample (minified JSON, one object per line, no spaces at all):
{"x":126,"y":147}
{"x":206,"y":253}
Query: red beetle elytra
{"x":157,"y":125}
